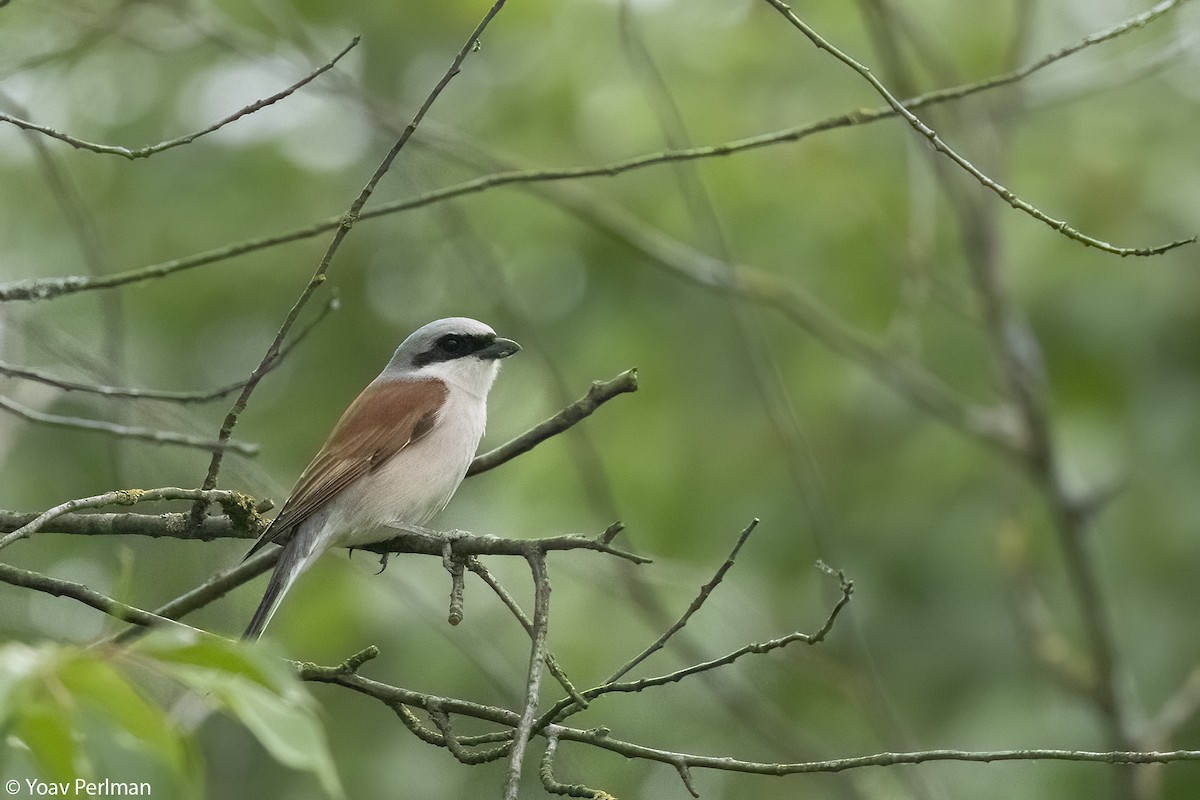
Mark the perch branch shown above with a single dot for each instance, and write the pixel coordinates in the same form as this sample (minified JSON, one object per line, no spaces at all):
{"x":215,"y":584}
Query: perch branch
{"x":343,"y":229}
{"x":231,"y":501}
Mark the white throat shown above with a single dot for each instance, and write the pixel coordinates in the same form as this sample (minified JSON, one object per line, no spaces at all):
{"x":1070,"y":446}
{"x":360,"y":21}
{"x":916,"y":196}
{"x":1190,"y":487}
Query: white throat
{"x":472,"y":376}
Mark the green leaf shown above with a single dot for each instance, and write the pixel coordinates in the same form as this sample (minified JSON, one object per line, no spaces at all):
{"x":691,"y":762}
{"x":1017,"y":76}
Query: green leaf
{"x":258,"y":664}
{"x":47,"y":729}
{"x":258,"y":688}
{"x":52,"y":698}
{"x":291,"y":733}
{"x":98,"y":685}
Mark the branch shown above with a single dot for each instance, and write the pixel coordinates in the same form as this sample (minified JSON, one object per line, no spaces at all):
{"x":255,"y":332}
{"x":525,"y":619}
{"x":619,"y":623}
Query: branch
{"x":601,"y":738}
{"x":754,"y":648}
{"x":235,"y":505}
{"x":692,"y":608}
{"x":1003,"y":192}
{"x":47,"y":288}
{"x":568,"y":706}
{"x":38,"y":376}
{"x":149,"y":150}
{"x":546,"y":772}
{"x":128,"y":431}
{"x":77,"y":591}
{"x":412,"y":539}
{"x":343,"y":229}
{"x":212,"y":589}
{"x":158,"y":526}
{"x":599,"y":394}
{"x":533,"y":683}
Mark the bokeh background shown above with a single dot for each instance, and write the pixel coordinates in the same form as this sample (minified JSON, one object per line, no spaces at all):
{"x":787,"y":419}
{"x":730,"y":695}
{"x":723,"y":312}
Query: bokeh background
{"x":961,"y":589}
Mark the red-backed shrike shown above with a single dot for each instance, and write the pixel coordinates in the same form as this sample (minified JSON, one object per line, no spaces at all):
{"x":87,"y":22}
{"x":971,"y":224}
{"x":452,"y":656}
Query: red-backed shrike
{"x":395,"y":457}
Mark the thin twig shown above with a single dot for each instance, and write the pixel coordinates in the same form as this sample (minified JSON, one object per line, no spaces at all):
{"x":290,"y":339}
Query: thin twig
{"x":452,"y":743}
{"x":1002,"y":191}
{"x":457,"y":585}
{"x":566,"y":707}
{"x":476,"y":566}
{"x":129,"y":431}
{"x":692,"y":608}
{"x":601,"y":738}
{"x":343,"y":229}
{"x":28,"y":579}
{"x":46,"y":288}
{"x":553,"y":786}
{"x":599,"y":394}
{"x":533,"y":683}
{"x":26,"y":373}
{"x":149,"y":150}
{"x":754,"y":648}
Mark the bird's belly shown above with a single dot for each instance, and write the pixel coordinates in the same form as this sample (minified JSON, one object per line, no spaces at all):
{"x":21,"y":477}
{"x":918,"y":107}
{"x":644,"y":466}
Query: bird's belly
{"x":409,"y":488}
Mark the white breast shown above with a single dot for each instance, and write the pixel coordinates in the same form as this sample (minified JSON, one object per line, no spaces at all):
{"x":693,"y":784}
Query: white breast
{"x":417,"y":482}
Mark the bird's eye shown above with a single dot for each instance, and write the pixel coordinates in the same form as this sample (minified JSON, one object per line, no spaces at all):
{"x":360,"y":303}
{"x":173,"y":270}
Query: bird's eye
{"x":450,"y":344}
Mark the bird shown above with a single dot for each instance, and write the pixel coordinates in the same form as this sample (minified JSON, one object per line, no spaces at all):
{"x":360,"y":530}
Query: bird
{"x":395,"y":457}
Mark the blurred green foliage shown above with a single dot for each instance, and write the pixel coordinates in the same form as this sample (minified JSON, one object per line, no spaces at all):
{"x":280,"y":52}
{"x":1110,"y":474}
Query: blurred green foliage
{"x":740,"y":413}
{"x":98,"y":715}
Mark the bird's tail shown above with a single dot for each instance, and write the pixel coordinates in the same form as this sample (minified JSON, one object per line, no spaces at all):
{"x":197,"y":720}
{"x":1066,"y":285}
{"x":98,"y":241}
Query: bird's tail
{"x":298,"y":555}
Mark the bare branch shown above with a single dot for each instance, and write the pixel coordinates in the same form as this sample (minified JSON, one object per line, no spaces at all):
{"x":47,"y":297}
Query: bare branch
{"x":533,"y":683}
{"x":234,"y":504}
{"x":476,"y":566}
{"x":149,"y":150}
{"x":567,"y":706}
{"x":47,"y":288}
{"x":158,"y":526}
{"x":599,"y":394}
{"x":692,"y":608}
{"x":412,"y":539}
{"x":601,"y":738}
{"x":28,"y":579}
{"x":343,"y":229}
{"x":553,"y":786}
{"x":129,"y":431}
{"x":1002,"y":191}
{"x":27,"y":373}
{"x":455,"y":744}
{"x":756,"y":648}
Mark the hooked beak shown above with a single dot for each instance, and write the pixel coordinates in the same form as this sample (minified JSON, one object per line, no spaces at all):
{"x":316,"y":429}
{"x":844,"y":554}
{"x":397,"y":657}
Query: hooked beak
{"x":500,"y":348}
